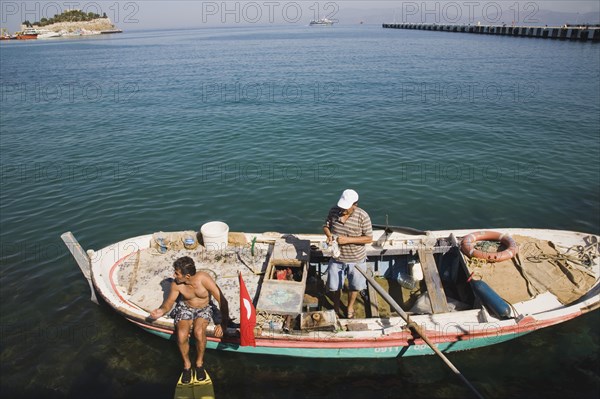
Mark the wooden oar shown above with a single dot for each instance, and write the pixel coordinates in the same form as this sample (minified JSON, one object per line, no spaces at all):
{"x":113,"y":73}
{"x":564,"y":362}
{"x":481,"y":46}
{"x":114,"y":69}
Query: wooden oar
{"x":82,"y":259}
{"x":401,"y":229}
{"x":416,"y":329}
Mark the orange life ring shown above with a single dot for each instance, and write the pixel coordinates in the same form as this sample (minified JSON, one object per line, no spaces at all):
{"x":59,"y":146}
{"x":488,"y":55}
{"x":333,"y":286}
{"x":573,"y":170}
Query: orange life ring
{"x":467,"y":246}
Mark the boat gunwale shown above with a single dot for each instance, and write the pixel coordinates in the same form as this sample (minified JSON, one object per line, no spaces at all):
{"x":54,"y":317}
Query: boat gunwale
{"x":348,"y":340}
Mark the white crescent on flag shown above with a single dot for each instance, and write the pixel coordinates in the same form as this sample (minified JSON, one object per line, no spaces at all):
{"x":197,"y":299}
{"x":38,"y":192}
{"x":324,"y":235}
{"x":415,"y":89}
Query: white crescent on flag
{"x":248,"y":307}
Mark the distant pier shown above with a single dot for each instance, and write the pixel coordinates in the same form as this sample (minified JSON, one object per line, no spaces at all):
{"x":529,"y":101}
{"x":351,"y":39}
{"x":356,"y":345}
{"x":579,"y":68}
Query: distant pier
{"x":574,"y":33}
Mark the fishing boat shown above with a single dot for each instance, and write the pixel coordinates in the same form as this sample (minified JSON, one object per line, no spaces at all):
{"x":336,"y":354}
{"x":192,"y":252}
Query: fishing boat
{"x":321,"y":22}
{"x":27,"y":34}
{"x":428,"y":291}
{"x":48,"y":34}
{"x":4,"y":35}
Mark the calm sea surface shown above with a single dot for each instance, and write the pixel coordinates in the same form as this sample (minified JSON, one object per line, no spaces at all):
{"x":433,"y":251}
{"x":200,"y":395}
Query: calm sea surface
{"x":121,"y":135}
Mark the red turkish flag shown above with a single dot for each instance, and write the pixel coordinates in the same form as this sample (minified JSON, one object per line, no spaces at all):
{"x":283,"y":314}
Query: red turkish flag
{"x":247,"y":316}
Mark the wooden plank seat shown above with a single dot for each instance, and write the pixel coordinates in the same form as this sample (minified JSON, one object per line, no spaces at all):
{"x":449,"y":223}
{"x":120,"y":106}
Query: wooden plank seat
{"x":435,"y":290}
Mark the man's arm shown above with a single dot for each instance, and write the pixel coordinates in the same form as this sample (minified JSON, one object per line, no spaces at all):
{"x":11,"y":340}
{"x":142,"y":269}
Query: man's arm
{"x":355,"y":240}
{"x":327,"y":229}
{"x":328,"y":234}
{"x":167,"y":303}
{"x":215,"y":291}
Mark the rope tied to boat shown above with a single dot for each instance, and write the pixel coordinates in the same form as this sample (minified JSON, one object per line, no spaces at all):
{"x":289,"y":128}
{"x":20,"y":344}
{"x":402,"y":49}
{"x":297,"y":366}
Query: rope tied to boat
{"x":558,"y":257}
{"x":582,"y":258}
{"x":589,"y":252}
{"x":477,"y":262}
{"x":476,"y":265}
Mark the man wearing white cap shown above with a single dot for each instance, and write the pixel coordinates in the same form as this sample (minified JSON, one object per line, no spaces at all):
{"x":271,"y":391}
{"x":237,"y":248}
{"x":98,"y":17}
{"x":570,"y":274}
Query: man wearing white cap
{"x":350,"y":226}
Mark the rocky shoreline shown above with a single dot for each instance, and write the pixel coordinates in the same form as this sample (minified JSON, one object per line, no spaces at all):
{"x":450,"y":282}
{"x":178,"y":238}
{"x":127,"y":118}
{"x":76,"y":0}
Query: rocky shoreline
{"x":95,"y":25}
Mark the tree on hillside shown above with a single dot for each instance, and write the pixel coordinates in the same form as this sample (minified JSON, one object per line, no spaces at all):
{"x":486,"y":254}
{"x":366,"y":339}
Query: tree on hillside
{"x":67,"y":16}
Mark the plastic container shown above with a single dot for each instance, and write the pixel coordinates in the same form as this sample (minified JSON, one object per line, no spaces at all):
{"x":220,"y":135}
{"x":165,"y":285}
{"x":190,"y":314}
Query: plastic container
{"x":406,"y":281}
{"x":161,"y":240}
{"x":416,"y":271}
{"x":189,"y":240}
{"x":214,"y":235}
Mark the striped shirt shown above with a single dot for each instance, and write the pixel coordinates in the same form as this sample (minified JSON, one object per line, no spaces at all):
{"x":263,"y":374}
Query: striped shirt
{"x":358,"y":224}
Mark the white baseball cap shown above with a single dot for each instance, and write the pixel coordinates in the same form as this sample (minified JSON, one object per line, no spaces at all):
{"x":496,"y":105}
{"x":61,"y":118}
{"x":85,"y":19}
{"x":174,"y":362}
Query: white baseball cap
{"x":348,"y":198}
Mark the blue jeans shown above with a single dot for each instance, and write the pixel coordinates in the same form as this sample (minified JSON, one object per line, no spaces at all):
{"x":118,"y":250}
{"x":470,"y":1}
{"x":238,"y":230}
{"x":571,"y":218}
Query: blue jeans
{"x":337,"y":272}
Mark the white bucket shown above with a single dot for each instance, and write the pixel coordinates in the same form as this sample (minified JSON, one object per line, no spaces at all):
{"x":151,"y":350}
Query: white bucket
{"x":214,"y":235}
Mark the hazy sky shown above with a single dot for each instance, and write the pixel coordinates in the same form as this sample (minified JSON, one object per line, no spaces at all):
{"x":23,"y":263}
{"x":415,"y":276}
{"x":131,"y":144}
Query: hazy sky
{"x":148,"y":14}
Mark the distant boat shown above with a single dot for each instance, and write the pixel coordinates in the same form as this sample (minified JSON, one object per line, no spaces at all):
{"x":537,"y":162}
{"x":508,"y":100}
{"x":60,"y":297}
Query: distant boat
{"x":322,"y":22}
{"x":4,"y":35}
{"x":47,"y":34}
{"x":104,"y":32}
{"x":28,"y":34}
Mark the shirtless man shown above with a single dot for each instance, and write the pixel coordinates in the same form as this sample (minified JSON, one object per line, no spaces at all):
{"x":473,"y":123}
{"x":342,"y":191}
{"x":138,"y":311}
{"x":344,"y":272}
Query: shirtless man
{"x":193,"y":311}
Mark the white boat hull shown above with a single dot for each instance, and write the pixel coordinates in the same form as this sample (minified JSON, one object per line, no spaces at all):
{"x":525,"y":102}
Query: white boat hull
{"x":377,"y":337}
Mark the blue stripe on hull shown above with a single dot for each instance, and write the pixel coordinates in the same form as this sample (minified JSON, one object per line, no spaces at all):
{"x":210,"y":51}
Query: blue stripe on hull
{"x":330,"y":353}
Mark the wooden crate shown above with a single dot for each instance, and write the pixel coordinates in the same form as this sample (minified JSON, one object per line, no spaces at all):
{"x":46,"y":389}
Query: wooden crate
{"x":285,"y":296}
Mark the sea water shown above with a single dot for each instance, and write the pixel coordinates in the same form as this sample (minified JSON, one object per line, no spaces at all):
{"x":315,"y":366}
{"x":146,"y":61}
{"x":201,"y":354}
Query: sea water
{"x":262,"y":128}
